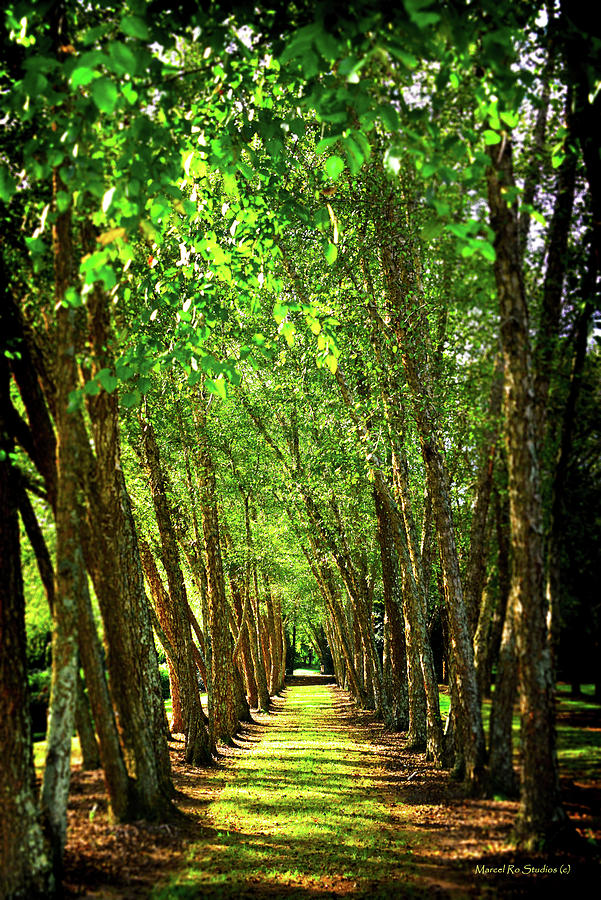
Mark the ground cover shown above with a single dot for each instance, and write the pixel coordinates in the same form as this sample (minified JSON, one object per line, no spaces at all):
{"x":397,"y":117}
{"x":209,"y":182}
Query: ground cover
{"x":317,"y":800}
{"x":301,"y":814}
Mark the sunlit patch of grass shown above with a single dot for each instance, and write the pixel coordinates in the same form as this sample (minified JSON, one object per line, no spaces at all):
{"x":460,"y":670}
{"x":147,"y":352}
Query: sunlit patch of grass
{"x":204,"y":699}
{"x":578,"y":748}
{"x":300,"y":810}
{"x":39,"y":753}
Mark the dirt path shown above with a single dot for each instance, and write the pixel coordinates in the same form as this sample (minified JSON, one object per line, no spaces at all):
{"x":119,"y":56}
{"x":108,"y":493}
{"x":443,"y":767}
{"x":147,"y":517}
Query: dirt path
{"x":317,"y":800}
{"x":301,"y":815}
{"x":325,"y":804}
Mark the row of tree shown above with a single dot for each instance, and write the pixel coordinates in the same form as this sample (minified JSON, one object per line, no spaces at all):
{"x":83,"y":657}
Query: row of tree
{"x":313,"y":318}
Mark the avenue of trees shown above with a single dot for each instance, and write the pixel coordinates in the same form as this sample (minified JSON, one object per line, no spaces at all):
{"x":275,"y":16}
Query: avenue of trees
{"x":299,"y":322}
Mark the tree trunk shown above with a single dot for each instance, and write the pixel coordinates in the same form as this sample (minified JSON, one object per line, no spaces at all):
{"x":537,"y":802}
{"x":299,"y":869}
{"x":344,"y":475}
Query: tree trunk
{"x":487,"y":639}
{"x":31,"y":371}
{"x":281,"y":655}
{"x":25,"y":862}
{"x":555,"y":536}
{"x":273,"y":637}
{"x":325,"y":579}
{"x":398,"y":705}
{"x":224,"y":722}
{"x":413,"y":340}
{"x":475,"y":570}
{"x":177,"y":724}
{"x":418,"y":644}
{"x":244,"y":649}
{"x":70,"y":571}
{"x":90,"y":755}
{"x":253,"y":614}
{"x":198,"y":749}
{"x":257,"y":657}
{"x":123,"y":805}
{"x":502,"y":777}
{"x":541,"y":814}
{"x":131,"y":654}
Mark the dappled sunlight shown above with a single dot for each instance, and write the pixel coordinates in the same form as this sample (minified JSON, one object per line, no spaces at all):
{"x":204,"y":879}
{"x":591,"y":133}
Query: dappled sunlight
{"x":301,"y":811}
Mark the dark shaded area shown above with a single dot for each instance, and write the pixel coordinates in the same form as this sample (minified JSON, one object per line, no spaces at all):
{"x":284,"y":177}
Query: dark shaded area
{"x":310,"y":679}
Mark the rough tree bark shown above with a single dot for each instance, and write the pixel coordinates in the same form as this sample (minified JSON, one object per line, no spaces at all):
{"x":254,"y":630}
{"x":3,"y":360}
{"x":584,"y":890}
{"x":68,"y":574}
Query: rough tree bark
{"x":398,"y":704}
{"x":26,"y":869}
{"x":33,"y":370}
{"x":252,"y":601}
{"x":400,"y":271}
{"x":70,"y":570}
{"x":198,"y":749}
{"x":418,"y":644}
{"x":83,"y":718}
{"x":90,"y":755}
{"x":242,"y":649}
{"x":541,"y":815}
{"x":224,"y":724}
{"x":131,"y":655}
{"x":273,"y":636}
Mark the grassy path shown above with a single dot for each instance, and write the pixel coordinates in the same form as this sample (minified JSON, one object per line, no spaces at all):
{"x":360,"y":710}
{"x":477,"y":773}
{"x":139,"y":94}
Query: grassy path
{"x":300,"y":814}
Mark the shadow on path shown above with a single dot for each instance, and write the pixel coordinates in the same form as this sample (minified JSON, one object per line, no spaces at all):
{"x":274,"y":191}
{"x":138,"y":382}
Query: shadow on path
{"x":318,"y":801}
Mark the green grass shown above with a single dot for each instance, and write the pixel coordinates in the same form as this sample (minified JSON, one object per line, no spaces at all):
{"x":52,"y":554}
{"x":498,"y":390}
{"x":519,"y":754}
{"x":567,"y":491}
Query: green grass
{"x":39,"y":753}
{"x":299,"y":812}
{"x":578,"y":747}
{"x":307,"y":670}
{"x":39,"y":747}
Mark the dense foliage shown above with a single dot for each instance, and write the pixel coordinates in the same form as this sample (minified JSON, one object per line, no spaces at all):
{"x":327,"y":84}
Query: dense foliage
{"x":300,"y":320}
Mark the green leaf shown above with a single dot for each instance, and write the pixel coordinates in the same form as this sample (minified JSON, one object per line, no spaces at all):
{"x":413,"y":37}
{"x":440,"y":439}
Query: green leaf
{"x":334,"y":166}
{"x":487,"y":250}
{"x":327,"y":45}
{"x":432,"y":230}
{"x":396,"y":50}
{"x":62,"y":201}
{"x":354,"y":155}
{"x":134,"y":27}
{"x":217,"y":386}
{"x":491,"y":137}
{"x":92,"y":388}
{"x":35,"y":245}
{"x":288,"y":331}
{"x":129,"y":93}
{"x":509,"y":118}
{"x":124,"y":371}
{"x":81,"y":76}
{"x":75,"y":401}
{"x":429,"y":169}
{"x":109,"y":382}
{"x":331,"y":253}
{"x":538,"y":217}
{"x":390,"y":117}
{"x":107,"y":275}
{"x":105,"y":94}
{"x":326,"y":142}
{"x":123,"y":57}
{"x":280,"y":312}
{"x":72,"y":297}
{"x":131,"y":399}
{"x":331,"y":363}
{"x":421,"y":19}
{"x":7,"y":184}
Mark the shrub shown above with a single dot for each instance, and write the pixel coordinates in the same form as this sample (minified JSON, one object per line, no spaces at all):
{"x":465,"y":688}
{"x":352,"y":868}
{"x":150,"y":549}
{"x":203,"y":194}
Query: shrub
{"x":39,"y":699}
{"x":164,"y":673}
